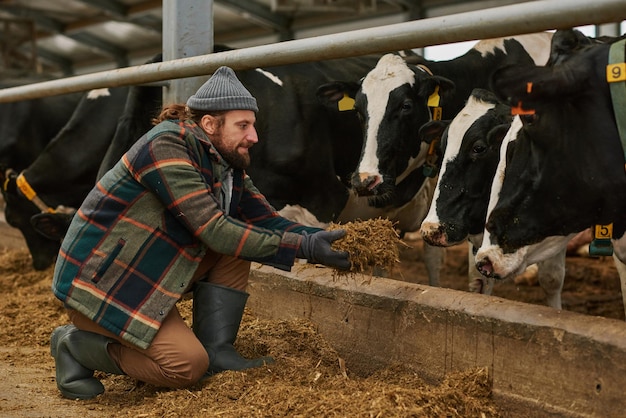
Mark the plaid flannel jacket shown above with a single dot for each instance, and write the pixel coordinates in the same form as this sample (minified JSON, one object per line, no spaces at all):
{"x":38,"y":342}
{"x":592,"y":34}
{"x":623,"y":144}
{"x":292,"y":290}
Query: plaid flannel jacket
{"x":138,"y":237}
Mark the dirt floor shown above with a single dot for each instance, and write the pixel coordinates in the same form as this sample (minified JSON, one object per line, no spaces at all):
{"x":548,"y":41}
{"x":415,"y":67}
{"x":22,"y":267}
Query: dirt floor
{"x":307,"y":380}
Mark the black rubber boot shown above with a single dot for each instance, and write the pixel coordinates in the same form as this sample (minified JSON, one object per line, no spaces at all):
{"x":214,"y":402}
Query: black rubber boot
{"x":217,"y":313}
{"x":76,"y":355}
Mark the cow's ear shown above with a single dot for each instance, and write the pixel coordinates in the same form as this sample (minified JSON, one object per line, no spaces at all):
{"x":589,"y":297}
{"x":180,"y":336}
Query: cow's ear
{"x":432,"y":131}
{"x":430,"y":84}
{"x":566,"y":42}
{"x":497,"y":133}
{"x":412,"y":58}
{"x":51,"y":225}
{"x":446,"y":86}
{"x":331,"y":94}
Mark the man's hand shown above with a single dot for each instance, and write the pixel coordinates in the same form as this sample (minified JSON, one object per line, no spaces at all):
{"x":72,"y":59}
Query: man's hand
{"x":316,"y":249}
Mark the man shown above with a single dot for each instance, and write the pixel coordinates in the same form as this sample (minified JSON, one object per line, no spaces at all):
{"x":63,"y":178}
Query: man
{"x":176,"y":213}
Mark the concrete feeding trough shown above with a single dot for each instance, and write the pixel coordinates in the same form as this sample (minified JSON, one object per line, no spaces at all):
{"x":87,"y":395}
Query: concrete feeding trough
{"x":539,"y":358}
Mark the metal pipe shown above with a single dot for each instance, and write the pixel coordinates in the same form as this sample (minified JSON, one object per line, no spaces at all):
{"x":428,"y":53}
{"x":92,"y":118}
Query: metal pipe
{"x":516,"y":19}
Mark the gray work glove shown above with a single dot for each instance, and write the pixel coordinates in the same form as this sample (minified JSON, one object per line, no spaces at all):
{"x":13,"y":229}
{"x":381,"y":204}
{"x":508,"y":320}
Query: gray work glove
{"x":316,"y":249}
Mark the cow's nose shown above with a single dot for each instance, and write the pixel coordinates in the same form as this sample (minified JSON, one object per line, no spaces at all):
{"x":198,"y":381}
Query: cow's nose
{"x":485,"y":267}
{"x":365,"y":183}
{"x":434,"y":234}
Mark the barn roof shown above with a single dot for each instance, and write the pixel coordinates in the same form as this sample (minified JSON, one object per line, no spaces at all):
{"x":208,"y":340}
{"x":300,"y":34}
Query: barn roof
{"x":68,"y":37}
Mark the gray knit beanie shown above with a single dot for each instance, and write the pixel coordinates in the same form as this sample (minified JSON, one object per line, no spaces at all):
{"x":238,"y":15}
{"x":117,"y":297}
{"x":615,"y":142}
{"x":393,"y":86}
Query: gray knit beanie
{"x":223,"y":91}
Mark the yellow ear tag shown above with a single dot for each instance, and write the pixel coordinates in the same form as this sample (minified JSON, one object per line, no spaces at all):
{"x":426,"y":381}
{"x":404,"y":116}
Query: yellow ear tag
{"x":603,"y":231}
{"x":616,"y":72}
{"x":347,"y":103}
{"x":601,"y":244}
{"x":24,"y":187}
{"x":433,"y":100}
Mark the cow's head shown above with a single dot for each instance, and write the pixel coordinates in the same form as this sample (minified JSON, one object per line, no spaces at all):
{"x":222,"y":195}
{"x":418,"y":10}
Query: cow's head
{"x":18,"y":212}
{"x":392,"y":103}
{"x":565,"y":167}
{"x":471,"y":146}
{"x":491,"y":260}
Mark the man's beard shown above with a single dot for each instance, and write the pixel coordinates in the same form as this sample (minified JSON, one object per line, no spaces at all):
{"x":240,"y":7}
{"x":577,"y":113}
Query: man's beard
{"x":232,"y":157}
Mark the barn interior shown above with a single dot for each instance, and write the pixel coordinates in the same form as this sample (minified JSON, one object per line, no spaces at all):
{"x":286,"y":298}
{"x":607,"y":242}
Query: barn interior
{"x":60,"y":38}
{"x":43,"y":39}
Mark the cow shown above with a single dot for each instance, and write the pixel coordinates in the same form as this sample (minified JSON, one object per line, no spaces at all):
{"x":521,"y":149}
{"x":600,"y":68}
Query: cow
{"x":63,"y":172}
{"x":67,"y":168}
{"x":572,"y":105}
{"x":471,"y":151}
{"x":470,"y":144}
{"x":393,"y":103}
{"x":508,"y":265}
{"x":26,"y":127}
{"x":396,"y":98}
{"x":564,"y":160}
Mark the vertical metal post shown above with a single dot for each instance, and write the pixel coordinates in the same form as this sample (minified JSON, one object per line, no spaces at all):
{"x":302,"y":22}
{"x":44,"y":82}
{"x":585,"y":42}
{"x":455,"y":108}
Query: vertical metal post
{"x":608,"y":29}
{"x":187,"y":32}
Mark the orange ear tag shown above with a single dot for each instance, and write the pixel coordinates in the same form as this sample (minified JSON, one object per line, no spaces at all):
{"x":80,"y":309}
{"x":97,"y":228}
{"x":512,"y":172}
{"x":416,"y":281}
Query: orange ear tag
{"x":518,"y":110}
{"x":529,"y":87}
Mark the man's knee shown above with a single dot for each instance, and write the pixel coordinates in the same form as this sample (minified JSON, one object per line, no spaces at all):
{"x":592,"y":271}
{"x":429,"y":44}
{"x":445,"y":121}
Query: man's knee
{"x":186,"y":370}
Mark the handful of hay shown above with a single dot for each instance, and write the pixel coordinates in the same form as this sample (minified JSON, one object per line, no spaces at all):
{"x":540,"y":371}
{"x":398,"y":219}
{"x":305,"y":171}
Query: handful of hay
{"x":371,"y":244}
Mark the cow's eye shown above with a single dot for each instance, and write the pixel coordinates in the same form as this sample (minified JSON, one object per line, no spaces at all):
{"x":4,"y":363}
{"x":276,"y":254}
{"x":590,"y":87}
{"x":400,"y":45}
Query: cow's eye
{"x":478,"y":148}
{"x":407,"y":106}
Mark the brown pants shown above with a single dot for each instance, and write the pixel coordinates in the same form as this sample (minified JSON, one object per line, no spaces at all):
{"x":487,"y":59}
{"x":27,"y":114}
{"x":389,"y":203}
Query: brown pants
{"x":175,"y":358}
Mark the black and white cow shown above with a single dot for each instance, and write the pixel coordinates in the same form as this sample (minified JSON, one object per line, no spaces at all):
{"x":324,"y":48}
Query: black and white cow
{"x":512,"y":263}
{"x":393,"y":103}
{"x":470,"y":144}
{"x":574,"y":123}
{"x":396,"y":98}
{"x":565,"y":167}
{"x":471,"y":151}
{"x":26,"y":127}
{"x":63,"y":172}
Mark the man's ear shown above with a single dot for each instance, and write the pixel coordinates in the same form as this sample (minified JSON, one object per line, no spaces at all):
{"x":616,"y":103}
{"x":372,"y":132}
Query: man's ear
{"x":207,"y":123}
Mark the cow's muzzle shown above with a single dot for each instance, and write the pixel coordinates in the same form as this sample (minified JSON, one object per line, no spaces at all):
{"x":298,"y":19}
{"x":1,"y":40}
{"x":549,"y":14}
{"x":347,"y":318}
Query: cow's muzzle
{"x":366,"y":184}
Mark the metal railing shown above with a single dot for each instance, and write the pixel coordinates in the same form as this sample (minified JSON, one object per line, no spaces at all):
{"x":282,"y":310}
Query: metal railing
{"x":516,"y":19}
